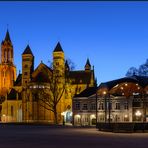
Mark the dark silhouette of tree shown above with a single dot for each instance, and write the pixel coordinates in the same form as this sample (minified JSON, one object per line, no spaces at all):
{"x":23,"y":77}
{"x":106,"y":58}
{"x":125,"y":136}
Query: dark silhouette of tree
{"x":141,"y":71}
{"x":71,"y":64}
{"x":132,"y":71}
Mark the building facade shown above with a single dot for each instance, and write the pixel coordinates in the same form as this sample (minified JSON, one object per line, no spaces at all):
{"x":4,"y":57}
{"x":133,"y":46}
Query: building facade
{"x":117,"y":101}
{"x":24,"y":98}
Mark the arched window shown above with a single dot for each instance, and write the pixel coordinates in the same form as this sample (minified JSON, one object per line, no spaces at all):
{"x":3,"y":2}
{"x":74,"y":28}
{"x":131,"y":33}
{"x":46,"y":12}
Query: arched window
{"x":12,"y":111}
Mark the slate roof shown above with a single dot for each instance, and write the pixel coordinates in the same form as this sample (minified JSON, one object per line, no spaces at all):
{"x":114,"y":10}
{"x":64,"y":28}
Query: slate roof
{"x":27,"y":50}
{"x":58,"y":48}
{"x":87,"y":92}
{"x":80,"y":77}
{"x":141,"y":80}
{"x":13,"y":94}
{"x":18,"y":81}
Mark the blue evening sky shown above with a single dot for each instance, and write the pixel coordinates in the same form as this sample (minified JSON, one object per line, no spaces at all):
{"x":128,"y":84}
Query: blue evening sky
{"x":113,"y":35}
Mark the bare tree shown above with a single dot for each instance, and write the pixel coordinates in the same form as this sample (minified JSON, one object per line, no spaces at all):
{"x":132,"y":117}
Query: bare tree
{"x":71,"y":64}
{"x":141,"y":71}
{"x":49,"y":96}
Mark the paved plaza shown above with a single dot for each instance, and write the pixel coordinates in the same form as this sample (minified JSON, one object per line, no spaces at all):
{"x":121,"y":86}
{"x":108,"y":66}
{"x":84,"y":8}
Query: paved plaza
{"x":21,"y":136}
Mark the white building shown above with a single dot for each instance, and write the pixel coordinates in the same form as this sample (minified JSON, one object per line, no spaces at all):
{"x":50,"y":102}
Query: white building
{"x":120,"y":100}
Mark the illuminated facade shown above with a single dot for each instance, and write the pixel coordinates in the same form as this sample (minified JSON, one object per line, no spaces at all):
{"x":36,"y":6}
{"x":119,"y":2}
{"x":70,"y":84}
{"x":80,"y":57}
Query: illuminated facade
{"x":117,"y":101}
{"x":21,"y":105}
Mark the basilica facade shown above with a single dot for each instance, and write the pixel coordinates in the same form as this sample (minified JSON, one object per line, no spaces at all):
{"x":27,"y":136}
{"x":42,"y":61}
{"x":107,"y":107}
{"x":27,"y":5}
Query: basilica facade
{"x":39,"y":94}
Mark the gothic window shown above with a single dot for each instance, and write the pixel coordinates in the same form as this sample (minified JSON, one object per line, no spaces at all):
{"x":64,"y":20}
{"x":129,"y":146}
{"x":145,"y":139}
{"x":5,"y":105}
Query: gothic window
{"x":9,"y":54}
{"x":25,"y":73}
{"x":5,"y":56}
{"x":4,"y":81}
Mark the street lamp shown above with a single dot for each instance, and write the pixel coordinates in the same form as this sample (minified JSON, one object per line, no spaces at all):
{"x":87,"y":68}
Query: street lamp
{"x":138,"y":114}
{"x":105,"y":104}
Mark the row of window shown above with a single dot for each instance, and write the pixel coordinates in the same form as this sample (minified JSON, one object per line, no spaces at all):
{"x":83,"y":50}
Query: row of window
{"x":101,"y":106}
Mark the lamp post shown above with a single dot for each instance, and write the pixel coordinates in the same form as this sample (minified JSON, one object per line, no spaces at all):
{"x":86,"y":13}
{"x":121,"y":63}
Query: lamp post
{"x":138,"y":114}
{"x":109,"y":108}
{"x":105,"y":104}
{"x":96,"y":108}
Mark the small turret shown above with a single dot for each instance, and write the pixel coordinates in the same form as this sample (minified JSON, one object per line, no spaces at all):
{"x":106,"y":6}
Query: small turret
{"x":87,"y":65}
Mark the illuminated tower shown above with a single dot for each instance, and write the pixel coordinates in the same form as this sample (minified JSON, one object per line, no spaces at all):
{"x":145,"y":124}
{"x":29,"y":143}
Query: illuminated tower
{"x":59,"y":78}
{"x":58,"y":62}
{"x":27,"y":65}
{"x":7,"y":67}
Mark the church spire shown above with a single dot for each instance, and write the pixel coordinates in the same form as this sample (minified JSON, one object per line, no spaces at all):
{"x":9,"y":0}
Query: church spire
{"x":7,"y":37}
{"x":87,"y":65}
{"x":7,"y":50}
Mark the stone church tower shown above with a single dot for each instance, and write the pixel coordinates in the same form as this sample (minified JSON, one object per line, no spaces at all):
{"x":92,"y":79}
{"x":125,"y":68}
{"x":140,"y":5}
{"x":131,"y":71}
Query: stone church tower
{"x":27,"y":65}
{"x":7,"y":67}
